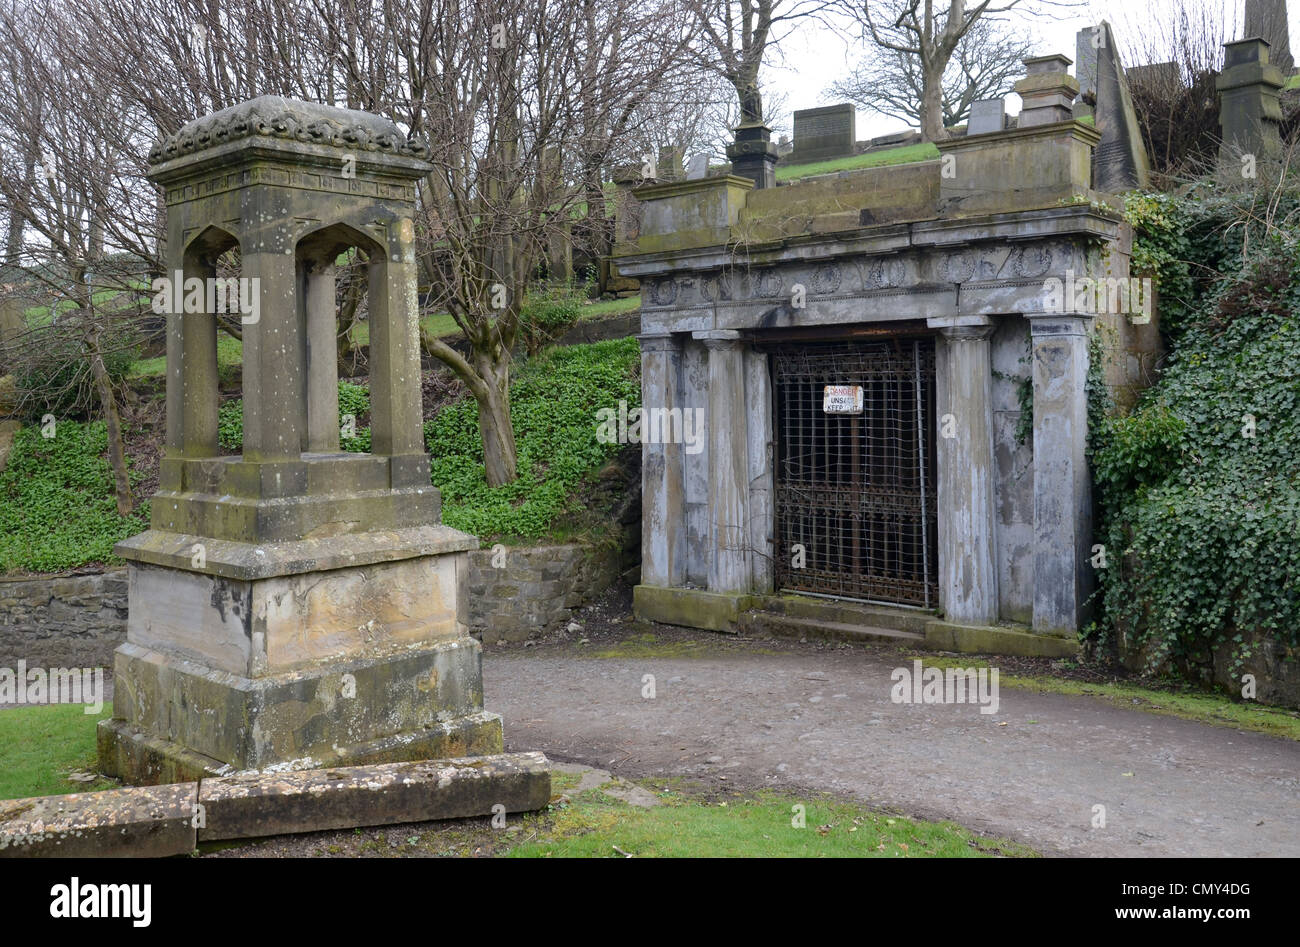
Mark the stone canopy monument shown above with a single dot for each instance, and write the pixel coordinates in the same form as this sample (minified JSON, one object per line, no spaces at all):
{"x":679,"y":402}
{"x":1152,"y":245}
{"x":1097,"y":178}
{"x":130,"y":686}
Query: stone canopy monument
{"x":296,"y":603}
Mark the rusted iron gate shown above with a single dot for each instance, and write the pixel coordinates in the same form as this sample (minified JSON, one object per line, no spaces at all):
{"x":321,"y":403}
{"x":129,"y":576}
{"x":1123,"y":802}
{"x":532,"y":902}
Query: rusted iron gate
{"x":855,"y":492}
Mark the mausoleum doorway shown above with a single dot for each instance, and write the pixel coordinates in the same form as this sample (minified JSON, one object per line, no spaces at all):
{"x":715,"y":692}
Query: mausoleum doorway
{"x":855,"y":474}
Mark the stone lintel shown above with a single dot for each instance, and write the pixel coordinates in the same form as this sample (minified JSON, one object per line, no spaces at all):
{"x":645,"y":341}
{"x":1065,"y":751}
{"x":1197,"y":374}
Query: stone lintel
{"x":271,"y":153}
{"x":660,"y":190}
{"x":967,"y":326}
{"x":248,"y":561}
{"x":717,"y":337}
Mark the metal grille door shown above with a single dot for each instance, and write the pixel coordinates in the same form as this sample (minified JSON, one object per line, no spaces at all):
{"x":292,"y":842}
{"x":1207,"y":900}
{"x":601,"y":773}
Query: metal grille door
{"x":855,"y":491}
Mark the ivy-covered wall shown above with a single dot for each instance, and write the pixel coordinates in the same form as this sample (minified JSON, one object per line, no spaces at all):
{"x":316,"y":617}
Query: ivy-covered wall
{"x":1198,"y":485}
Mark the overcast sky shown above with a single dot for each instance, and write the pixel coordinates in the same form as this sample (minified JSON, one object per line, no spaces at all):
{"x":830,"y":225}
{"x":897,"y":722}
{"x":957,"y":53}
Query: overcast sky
{"x":815,"y":55}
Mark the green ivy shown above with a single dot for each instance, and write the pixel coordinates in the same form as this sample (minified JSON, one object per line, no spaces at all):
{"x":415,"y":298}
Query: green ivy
{"x":1199,"y":487}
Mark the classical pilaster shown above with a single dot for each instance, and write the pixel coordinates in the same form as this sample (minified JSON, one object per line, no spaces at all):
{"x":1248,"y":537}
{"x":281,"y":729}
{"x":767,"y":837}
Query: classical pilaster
{"x":728,"y":464}
{"x":1062,"y":489}
{"x":663,"y":558}
{"x":968,"y":577}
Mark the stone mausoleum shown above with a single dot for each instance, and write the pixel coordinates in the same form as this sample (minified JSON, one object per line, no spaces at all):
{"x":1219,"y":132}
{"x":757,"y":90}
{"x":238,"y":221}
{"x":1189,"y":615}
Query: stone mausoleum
{"x":891,"y":369}
{"x":296,"y":602}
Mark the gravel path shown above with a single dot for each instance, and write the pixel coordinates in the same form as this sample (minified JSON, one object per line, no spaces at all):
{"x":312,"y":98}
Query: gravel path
{"x":803,"y":717}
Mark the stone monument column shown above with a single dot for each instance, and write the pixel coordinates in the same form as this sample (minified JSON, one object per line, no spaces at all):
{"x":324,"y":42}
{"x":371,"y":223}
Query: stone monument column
{"x":728,"y":463}
{"x":1250,"y":105}
{"x":752,"y":154}
{"x":663,"y":561}
{"x":1062,"y":484}
{"x":968,"y":576}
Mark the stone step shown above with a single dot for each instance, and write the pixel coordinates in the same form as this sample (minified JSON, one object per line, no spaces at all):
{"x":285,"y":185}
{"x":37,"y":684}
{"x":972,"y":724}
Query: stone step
{"x":838,"y":611}
{"x":785,"y":626}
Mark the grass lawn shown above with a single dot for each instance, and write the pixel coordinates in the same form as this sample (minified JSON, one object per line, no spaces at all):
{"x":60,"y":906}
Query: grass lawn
{"x":767,"y":824}
{"x":904,"y":154}
{"x":1214,"y":709}
{"x":41,"y":745}
{"x":230,"y":355}
{"x":602,"y":308}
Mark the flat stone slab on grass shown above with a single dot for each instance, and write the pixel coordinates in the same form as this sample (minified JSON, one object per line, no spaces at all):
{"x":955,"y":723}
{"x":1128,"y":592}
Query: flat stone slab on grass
{"x":261,"y":804}
{"x":139,"y":821}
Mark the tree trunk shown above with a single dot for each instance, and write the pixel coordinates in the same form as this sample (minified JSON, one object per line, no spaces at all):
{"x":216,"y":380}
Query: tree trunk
{"x":488,"y":380}
{"x":113,"y":423}
{"x":932,"y":105}
{"x":346,"y":356}
{"x":500,"y":460}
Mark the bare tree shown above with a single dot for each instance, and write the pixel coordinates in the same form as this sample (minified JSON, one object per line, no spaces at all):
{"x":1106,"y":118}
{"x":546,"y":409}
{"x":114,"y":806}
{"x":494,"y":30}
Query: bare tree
{"x":737,"y":34}
{"x":63,"y":200}
{"x":929,"y":32}
{"x":1180,"y":53}
{"x":521,"y":102}
{"x":892,"y":83}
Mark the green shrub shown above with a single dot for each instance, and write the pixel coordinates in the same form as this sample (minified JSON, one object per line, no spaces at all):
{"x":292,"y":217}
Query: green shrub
{"x":547,"y":314}
{"x":553,"y":402}
{"x":57,"y":507}
{"x":54,"y":376}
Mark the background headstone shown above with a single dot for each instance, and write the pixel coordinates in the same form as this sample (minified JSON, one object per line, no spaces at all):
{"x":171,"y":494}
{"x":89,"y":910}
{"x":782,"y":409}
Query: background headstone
{"x":1156,"y":75}
{"x":823,"y":133}
{"x":697,"y":167}
{"x":1267,"y":20}
{"x":669,"y":165}
{"x":986,"y":115}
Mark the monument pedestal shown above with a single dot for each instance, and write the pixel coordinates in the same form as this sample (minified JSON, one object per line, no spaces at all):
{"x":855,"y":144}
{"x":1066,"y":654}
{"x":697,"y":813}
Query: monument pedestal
{"x":350,"y":649}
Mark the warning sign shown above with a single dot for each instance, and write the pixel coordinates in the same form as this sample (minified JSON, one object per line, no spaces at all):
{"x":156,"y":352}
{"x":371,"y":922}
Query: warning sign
{"x":842,"y":399}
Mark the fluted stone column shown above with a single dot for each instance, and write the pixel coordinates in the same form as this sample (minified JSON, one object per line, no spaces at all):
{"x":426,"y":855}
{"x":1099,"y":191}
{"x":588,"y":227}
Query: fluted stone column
{"x":968,"y":576}
{"x":663,"y":559}
{"x":728,"y":463}
{"x":1062,"y":488}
